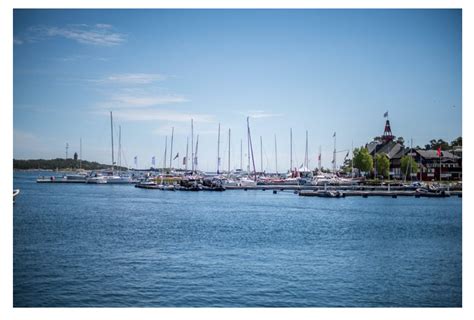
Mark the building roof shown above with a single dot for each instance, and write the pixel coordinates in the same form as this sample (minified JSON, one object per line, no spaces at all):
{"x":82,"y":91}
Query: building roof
{"x":433,"y":154}
{"x":372,"y":145}
{"x":393,"y":149}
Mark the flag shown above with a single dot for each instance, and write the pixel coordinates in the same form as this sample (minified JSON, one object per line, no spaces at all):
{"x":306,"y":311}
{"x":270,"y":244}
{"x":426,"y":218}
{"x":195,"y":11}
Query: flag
{"x":195,"y":161}
{"x":153,"y":160}
{"x":219,"y":161}
{"x":385,"y":115}
{"x":334,"y":135}
{"x":319,"y":157}
{"x":439,"y":151}
{"x":346,"y":155}
{"x":135,"y":160}
{"x":176,"y":156}
{"x":184,"y":160}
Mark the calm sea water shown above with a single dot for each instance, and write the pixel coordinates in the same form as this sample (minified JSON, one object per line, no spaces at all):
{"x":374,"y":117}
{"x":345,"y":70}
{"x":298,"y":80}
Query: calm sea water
{"x":118,"y":246}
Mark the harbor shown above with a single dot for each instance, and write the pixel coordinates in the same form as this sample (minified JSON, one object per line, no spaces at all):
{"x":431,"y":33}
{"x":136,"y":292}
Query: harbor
{"x":266,"y":159}
{"x":349,"y":180}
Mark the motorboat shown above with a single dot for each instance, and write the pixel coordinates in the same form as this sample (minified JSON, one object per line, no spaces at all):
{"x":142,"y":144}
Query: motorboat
{"x":246,"y":182}
{"x":76,"y":177}
{"x":114,"y":179}
{"x":97,"y":179}
{"x":16,"y":192}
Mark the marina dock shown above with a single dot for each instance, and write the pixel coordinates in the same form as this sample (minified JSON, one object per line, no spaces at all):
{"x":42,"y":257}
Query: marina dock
{"x":379,"y":193}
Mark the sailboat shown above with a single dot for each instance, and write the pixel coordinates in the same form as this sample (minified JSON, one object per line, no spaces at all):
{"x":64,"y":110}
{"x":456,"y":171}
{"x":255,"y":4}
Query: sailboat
{"x":113,"y":178}
{"x":247,"y":181}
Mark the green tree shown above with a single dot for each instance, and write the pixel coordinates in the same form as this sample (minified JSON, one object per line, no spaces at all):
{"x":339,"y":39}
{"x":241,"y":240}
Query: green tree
{"x":457,"y":142}
{"x":362,"y":160}
{"x":401,"y":141}
{"x":408,"y":165}
{"x":382,"y":164}
{"x":435,"y":144}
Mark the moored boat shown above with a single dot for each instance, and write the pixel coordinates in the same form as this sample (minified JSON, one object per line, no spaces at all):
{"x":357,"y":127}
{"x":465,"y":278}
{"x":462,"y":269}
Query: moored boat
{"x":97,"y":179}
{"x":16,"y":192}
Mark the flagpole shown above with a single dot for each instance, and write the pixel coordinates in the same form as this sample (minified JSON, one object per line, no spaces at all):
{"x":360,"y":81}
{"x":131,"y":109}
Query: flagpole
{"x":352,"y":159}
{"x":440,"y":165}
{"x":171,"y":148}
{"x":319,"y":160}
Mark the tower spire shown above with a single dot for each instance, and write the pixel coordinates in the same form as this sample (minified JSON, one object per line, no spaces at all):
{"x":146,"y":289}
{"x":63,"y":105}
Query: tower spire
{"x":387,"y":133}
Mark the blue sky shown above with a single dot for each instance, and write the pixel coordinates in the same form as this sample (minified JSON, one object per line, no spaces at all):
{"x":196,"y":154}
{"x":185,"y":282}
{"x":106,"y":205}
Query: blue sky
{"x":324,"y":71}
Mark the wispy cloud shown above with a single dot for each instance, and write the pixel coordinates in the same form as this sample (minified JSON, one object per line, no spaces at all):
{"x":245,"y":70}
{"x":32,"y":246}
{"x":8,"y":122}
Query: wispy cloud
{"x":99,"y":34}
{"x":257,"y":114}
{"x":129,"y":98}
{"x":79,"y":57}
{"x":131,"y":78}
{"x":151,"y":114}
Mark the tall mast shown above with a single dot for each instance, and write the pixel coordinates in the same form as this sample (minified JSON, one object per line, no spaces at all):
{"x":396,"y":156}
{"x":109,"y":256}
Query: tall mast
{"x":240,"y":154}
{"x":291,"y":149}
{"x":218,"y":147}
{"x":334,"y":155}
{"x":228,"y":157}
{"x":261,"y":155}
{"x":306,"y":164}
{"x":80,"y":153}
{"x":248,"y":147}
{"x":196,"y":154}
{"x":171,"y":148}
{"x":186,"y":161}
{"x":276,"y":157}
{"x":192,"y":147}
{"x":411,"y":159}
{"x":166,"y":149}
{"x":251,"y":149}
{"x":119,"y":155}
{"x":112,"y":139}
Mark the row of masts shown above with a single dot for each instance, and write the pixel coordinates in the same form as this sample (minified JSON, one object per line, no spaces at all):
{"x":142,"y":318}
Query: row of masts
{"x":194,"y":150}
{"x":250,"y":153}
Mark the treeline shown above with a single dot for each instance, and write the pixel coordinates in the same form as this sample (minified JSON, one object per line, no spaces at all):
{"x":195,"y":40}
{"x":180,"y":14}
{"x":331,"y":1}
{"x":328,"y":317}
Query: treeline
{"x":433,"y":145}
{"x":59,"y":163}
{"x":444,"y":145}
